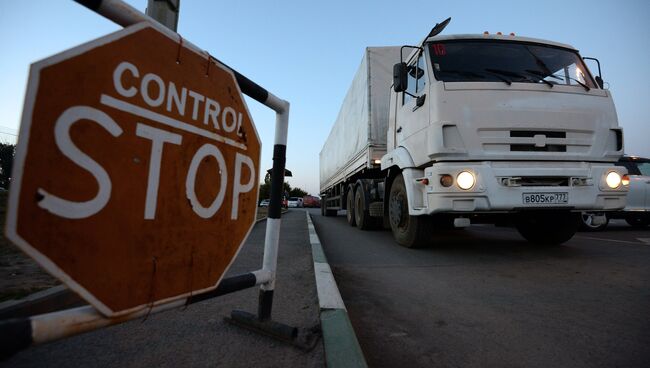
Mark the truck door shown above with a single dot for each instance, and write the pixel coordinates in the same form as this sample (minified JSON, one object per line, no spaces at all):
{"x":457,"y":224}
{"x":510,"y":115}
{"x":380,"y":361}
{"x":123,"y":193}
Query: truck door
{"x":411,"y":119}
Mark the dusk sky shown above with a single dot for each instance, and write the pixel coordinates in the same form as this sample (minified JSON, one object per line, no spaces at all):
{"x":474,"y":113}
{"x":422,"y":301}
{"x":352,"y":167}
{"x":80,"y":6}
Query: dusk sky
{"x":307,"y":52}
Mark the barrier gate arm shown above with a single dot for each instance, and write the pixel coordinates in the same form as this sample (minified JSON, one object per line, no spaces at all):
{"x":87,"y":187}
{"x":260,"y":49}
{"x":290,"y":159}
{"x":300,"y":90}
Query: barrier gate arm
{"x":19,"y":333}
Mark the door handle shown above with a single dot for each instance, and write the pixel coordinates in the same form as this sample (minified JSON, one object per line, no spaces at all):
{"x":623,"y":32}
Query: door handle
{"x":399,"y":130}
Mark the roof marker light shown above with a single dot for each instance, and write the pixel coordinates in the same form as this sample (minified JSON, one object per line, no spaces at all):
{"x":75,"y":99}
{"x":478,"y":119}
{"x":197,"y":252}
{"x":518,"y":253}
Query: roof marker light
{"x":486,"y":33}
{"x":499,"y":34}
{"x":512,"y":33}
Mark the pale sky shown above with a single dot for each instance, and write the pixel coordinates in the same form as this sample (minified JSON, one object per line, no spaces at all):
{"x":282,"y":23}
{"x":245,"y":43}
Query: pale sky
{"x":307,"y":52}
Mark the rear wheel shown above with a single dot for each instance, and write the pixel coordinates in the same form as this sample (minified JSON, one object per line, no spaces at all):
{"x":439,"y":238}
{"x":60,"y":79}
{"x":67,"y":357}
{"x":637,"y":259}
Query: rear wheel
{"x":638,"y":220}
{"x":547,"y":228}
{"x":361,"y":213}
{"x":409,"y":231}
{"x":587,"y":222}
{"x":349,"y":200}
{"x":324,"y":211}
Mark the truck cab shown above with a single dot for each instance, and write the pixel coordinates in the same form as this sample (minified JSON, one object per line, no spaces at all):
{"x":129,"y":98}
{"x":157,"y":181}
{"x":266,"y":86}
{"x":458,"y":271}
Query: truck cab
{"x":483,"y":128}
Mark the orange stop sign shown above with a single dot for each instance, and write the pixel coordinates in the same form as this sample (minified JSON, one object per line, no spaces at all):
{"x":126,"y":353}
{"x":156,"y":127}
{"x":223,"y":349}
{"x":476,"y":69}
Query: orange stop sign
{"x":136,"y":172}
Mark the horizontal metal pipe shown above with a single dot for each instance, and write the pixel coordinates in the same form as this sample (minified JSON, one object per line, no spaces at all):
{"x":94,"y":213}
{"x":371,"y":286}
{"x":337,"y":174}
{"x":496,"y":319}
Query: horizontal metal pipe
{"x":19,"y":333}
{"x":125,"y":15}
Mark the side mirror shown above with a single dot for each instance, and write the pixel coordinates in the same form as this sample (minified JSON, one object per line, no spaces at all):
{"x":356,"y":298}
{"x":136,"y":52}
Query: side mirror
{"x":600,"y":82}
{"x":400,"y":81}
{"x":599,"y":78}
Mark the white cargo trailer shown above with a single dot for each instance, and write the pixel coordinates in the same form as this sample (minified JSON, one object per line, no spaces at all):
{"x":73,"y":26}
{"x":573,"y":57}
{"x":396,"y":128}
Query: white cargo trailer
{"x":473,"y":129}
{"x":358,"y":138}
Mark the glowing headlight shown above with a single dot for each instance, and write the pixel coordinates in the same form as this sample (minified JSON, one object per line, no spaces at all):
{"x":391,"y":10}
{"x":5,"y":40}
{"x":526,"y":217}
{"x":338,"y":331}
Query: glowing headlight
{"x":465,"y":180}
{"x":613,"y":179}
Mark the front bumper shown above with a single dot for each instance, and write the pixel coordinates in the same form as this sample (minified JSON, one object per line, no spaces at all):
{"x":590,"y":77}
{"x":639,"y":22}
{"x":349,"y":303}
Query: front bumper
{"x":494,"y":190}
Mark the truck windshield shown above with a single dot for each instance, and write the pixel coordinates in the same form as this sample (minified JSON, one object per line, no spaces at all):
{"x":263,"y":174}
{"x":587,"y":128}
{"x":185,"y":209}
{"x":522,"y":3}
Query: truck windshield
{"x":508,"y":62}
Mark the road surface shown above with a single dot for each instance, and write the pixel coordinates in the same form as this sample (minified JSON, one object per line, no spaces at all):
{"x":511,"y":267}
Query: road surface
{"x":483,"y":297}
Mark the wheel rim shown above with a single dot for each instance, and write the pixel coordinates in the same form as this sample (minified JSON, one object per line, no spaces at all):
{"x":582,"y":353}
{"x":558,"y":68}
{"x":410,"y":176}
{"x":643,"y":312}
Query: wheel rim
{"x":588,"y":220}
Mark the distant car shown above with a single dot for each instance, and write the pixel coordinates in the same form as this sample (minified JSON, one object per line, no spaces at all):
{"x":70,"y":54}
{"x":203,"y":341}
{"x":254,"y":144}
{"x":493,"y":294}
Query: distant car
{"x":295,"y":202}
{"x":265,"y":202}
{"x":637,"y":210}
{"x":311,"y":201}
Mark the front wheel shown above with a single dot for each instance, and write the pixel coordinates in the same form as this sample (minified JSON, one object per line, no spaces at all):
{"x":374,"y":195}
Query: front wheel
{"x":547,"y":228}
{"x":587,"y":222}
{"x":409,"y":231}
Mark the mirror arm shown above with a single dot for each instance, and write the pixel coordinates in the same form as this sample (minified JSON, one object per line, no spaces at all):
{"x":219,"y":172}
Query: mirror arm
{"x":597,"y":62}
{"x":401,"y":57}
{"x":410,"y":94}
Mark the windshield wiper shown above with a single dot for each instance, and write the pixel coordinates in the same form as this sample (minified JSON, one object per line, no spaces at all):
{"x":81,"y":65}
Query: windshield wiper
{"x":507,"y":73}
{"x":540,"y":76}
{"x":543,"y":75}
{"x":466,"y":73}
{"x":469,"y":73}
{"x":586,"y":87}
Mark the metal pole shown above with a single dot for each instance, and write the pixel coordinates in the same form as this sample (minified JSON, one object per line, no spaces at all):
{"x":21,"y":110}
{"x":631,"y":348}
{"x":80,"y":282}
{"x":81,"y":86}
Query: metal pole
{"x":165,"y":12}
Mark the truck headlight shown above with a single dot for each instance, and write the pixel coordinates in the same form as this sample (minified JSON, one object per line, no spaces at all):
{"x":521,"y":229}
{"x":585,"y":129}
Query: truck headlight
{"x":465,"y":180}
{"x":613,"y":179}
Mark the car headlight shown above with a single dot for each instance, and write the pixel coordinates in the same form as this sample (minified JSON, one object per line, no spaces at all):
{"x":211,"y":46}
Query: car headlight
{"x":613,"y":179}
{"x":465,"y":180}
{"x":626,"y":180}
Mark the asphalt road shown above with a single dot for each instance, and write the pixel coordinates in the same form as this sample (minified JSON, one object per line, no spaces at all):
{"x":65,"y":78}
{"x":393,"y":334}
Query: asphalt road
{"x":483,"y":297}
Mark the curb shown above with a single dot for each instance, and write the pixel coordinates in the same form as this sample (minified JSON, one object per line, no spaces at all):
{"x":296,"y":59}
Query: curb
{"x":342,"y":348}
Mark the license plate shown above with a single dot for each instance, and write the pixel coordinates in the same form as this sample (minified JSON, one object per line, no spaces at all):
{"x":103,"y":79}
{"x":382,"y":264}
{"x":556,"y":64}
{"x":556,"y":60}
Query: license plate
{"x":546,"y":198}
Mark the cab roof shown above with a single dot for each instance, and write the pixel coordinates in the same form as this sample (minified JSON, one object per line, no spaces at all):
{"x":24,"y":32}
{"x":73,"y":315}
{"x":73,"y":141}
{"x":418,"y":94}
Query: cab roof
{"x":497,"y":37}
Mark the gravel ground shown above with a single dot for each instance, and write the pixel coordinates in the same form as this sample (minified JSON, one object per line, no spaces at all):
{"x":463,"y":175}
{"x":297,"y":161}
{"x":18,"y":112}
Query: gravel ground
{"x":198,"y":336}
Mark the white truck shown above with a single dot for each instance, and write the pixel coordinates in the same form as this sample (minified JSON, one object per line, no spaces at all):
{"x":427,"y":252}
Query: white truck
{"x":465,"y":129}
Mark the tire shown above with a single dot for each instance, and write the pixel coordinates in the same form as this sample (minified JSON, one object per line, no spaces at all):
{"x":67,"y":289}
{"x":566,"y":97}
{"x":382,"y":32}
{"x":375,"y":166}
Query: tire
{"x":547,"y":228}
{"x":587,"y":225}
{"x":325,"y":212}
{"x":638,"y":220}
{"x":349,"y":200}
{"x":361,"y":213}
{"x":408,"y":231}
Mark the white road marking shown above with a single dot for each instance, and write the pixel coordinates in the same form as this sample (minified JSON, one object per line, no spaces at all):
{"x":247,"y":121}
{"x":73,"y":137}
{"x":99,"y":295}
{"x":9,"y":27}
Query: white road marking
{"x":607,"y":239}
{"x":644,"y":240}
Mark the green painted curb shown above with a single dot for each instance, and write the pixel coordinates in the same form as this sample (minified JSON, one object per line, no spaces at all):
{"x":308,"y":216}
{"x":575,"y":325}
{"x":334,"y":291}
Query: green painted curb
{"x":341,"y":346}
{"x":318,"y":254}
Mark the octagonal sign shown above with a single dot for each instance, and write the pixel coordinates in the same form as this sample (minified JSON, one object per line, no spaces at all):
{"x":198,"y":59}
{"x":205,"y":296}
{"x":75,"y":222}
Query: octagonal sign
{"x":136,"y":173}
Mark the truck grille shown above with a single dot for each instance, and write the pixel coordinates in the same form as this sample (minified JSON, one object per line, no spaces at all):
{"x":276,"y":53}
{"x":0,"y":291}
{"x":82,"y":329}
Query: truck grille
{"x":535,"y":140}
{"x":535,"y":147}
